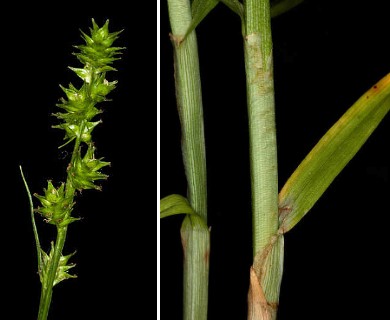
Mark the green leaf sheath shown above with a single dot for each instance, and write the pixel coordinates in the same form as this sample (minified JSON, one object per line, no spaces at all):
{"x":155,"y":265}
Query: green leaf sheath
{"x":78,"y":111}
{"x":265,"y":278}
{"x":189,"y":104}
{"x":195,"y":238}
{"x":267,"y":253}
{"x":332,"y":153}
{"x":261,"y":114}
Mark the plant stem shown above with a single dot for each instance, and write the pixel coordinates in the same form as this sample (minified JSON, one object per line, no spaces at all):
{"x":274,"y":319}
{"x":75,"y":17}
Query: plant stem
{"x":194,"y":231}
{"x":189,"y":101}
{"x":263,"y":149}
{"x":47,"y":286}
{"x":261,"y":113}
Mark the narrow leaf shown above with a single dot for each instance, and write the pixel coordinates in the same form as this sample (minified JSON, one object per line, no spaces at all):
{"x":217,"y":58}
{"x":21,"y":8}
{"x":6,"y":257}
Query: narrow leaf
{"x":332,"y":153}
{"x":236,"y":6}
{"x":200,"y":9}
{"x":174,"y":204}
{"x":279,"y":7}
{"x":35,"y":230}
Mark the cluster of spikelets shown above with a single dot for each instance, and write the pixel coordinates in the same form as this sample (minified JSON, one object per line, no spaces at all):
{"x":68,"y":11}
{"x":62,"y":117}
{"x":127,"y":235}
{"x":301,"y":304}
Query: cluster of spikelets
{"x":77,"y":120}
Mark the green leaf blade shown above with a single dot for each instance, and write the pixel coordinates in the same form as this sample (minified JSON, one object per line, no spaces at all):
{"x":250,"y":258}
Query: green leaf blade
{"x":200,"y":9}
{"x":235,"y":6}
{"x":35,"y":230}
{"x":332,"y":153}
{"x":174,"y":204}
{"x":278,"y":7}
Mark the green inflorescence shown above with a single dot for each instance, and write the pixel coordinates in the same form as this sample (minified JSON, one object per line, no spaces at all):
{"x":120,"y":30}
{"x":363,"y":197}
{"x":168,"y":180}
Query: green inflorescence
{"x":97,"y":55}
{"x":77,"y":119}
{"x":56,"y":206}
{"x":79,"y":110}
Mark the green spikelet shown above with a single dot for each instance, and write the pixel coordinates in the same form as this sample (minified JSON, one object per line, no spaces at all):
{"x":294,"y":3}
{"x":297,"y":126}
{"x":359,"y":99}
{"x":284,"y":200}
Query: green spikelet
{"x":56,"y":206}
{"x":79,"y":105}
{"x":86,"y":170}
{"x":62,"y":269}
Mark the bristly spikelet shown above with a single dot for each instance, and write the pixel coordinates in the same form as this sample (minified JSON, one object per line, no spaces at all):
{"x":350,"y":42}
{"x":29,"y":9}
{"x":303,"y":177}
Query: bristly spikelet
{"x":85,"y":171}
{"x":97,"y":50}
{"x":56,"y":207}
{"x":97,"y":55}
{"x":79,"y":106}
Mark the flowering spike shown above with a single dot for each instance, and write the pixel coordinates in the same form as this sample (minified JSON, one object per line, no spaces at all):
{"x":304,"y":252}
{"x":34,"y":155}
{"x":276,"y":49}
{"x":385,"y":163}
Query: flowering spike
{"x":56,"y":207}
{"x":77,"y":119}
{"x":85,"y":170}
{"x":97,"y":55}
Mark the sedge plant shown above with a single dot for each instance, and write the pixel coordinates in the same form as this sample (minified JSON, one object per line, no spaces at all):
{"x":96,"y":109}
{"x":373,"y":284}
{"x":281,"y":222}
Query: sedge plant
{"x":274,"y":211}
{"x":77,"y":118}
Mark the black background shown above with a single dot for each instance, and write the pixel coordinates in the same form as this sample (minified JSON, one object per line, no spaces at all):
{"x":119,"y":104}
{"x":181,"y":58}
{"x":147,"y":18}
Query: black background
{"x":115,"y":240}
{"x":326,"y":55}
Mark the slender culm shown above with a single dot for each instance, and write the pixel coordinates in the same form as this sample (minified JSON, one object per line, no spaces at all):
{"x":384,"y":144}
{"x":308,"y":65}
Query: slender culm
{"x":194,"y":231}
{"x":263,"y":152}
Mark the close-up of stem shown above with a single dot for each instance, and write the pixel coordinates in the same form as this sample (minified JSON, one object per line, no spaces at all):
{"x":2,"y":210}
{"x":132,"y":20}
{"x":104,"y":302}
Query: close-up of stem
{"x":278,"y":121}
{"x":263,"y":157}
{"x":261,"y":115}
{"x":194,"y":231}
{"x":47,"y":285}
